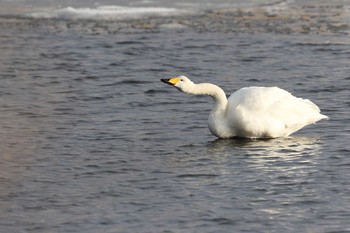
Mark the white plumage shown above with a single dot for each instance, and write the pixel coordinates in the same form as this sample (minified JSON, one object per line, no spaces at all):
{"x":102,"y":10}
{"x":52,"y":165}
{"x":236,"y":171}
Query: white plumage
{"x":252,"y":112}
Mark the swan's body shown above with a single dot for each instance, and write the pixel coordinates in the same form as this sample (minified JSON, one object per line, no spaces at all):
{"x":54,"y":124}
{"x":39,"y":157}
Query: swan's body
{"x":252,"y":112}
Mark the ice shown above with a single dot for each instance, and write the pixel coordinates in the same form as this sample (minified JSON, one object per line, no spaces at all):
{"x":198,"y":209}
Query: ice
{"x":106,"y":13}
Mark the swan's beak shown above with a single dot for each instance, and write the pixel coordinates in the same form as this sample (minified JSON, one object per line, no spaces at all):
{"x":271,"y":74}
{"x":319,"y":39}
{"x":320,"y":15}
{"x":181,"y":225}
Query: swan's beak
{"x":171,"y":81}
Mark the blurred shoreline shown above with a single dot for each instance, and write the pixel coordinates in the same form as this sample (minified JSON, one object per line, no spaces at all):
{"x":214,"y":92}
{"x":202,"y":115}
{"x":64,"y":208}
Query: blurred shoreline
{"x":283,"y":17}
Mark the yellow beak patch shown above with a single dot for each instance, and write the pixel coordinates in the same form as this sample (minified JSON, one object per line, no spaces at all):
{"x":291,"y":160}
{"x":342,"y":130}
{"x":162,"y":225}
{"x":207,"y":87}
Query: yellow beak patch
{"x":174,"y":80}
{"x":171,"y":81}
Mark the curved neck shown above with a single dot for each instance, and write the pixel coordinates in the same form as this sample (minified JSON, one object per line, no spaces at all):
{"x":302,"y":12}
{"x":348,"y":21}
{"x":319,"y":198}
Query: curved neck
{"x":214,"y":91}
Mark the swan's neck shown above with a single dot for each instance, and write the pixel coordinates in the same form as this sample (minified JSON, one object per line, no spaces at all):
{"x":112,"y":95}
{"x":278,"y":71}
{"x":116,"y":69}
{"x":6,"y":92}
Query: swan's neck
{"x":217,"y":121}
{"x":219,"y":96}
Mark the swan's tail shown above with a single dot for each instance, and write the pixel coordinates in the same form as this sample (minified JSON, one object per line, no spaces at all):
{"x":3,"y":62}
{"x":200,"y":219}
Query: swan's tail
{"x":323,"y":117}
{"x":316,"y":108}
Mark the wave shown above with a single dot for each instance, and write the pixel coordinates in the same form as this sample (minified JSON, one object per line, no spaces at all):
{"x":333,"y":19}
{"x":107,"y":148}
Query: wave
{"x":106,"y":13}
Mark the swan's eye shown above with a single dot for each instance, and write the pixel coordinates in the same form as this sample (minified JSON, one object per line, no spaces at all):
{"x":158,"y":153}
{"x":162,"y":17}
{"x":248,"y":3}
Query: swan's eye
{"x":181,"y":80}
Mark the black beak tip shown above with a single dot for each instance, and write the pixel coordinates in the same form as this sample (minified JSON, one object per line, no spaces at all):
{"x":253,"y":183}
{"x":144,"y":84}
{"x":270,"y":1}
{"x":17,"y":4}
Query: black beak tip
{"x":166,"y":81}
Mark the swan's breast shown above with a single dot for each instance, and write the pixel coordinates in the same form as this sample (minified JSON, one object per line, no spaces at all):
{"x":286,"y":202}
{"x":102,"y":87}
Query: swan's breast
{"x":220,"y":126}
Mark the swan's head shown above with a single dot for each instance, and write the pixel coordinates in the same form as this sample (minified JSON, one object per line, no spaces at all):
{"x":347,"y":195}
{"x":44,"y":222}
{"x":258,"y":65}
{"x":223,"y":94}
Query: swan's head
{"x":182,"y":83}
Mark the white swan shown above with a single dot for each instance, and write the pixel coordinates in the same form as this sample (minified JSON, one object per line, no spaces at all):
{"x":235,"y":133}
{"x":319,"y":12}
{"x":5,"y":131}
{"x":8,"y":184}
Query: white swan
{"x":252,"y":112}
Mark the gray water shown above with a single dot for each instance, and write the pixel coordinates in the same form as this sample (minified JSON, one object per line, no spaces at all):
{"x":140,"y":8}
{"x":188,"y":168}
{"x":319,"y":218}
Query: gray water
{"x":92,"y":141}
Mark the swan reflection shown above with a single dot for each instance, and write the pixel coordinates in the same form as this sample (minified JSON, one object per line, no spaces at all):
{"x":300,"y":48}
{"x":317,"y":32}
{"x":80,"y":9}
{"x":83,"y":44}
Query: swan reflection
{"x":267,"y":149}
{"x":269,"y":164}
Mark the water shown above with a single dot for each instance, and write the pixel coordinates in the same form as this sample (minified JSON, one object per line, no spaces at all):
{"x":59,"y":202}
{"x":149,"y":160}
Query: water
{"x":92,"y":141}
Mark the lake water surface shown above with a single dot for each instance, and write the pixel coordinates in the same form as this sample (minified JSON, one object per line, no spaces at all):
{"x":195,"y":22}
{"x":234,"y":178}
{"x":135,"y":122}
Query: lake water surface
{"x":92,"y":141}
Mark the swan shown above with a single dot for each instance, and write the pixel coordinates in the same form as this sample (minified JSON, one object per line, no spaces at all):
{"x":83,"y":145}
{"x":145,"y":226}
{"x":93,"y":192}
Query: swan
{"x":252,"y":112}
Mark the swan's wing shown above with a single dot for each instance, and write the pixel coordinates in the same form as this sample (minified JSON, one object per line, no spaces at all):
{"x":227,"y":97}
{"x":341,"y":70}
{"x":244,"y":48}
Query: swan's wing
{"x":271,"y":111}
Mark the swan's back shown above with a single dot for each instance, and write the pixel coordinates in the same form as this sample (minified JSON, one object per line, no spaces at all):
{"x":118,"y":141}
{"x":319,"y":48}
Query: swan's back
{"x":269,"y":112}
